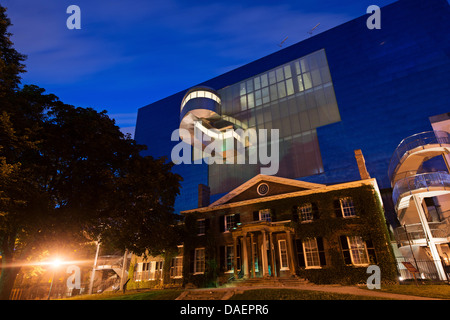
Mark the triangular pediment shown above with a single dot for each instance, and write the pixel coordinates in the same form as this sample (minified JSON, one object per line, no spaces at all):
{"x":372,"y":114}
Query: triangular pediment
{"x":264,"y":186}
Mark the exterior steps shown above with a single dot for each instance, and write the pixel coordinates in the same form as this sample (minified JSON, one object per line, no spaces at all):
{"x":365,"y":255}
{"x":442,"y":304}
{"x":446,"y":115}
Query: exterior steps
{"x":269,"y":282}
{"x":205,"y":294}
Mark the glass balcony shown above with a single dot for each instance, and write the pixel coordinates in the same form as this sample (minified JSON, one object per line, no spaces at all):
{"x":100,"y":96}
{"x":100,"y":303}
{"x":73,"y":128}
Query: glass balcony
{"x":417,"y":140}
{"x":423,"y":181}
{"x":414,"y":232}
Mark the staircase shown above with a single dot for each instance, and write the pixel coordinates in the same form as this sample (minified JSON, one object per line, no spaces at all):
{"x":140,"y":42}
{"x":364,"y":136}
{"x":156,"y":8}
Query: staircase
{"x":206,"y":294}
{"x":269,"y":282}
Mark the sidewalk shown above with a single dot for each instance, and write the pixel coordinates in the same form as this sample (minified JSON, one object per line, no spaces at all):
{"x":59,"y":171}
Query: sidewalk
{"x":227,"y":293}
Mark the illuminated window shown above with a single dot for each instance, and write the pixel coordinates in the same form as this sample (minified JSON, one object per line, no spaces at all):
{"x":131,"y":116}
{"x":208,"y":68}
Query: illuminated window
{"x":283,"y":255}
{"x":230,"y":221}
{"x":347,"y":207}
{"x":305,"y":212}
{"x":311,"y":251}
{"x":176,"y":268}
{"x":200,"y":94}
{"x":355,"y":248}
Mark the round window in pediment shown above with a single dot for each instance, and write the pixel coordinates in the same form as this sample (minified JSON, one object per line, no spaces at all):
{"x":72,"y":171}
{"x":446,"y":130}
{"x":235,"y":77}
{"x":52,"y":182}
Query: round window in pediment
{"x":262,"y":189}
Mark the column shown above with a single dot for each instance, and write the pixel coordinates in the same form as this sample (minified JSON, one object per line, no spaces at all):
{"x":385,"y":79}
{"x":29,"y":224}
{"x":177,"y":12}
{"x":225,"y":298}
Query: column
{"x":252,"y":254}
{"x":235,"y":257}
{"x":272,"y":254}
{"x":290,"y":251}
{"x":245,"y":256}
{"x":429,"y":236}
{"x":264,"y":254}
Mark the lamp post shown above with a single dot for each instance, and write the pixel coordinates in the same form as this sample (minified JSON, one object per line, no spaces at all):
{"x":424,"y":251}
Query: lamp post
{"x":56,"y":263}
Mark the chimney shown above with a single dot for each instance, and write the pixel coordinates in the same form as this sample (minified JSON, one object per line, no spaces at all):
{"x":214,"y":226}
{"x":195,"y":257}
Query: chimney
{"x":361,"y":165}
{"x":203,"y":195}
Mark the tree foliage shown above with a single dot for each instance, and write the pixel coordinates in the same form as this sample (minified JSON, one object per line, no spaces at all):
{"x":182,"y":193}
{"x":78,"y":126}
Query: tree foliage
{"x":69,"y":175}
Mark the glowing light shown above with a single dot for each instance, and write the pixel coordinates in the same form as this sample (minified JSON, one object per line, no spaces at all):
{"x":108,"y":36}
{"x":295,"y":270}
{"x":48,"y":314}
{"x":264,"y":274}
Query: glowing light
{"x":56,"y":263}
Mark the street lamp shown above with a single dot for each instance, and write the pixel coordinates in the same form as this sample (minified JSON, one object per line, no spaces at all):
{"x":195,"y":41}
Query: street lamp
{"x":55,"y":264}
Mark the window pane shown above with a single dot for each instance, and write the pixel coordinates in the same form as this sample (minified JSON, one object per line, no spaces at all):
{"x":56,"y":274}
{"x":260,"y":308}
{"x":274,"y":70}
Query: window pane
{"x":307,"y":81}
{"x":272,"y":77}
{"x":265,"y":95}
{"x":300,"y":83}
{"x":315,"y":74}
{"x":283,"y":254}
{"x":257,"y":81}
{"x":287,"y":72}
{"x":264,"y":81}
{"x":250,"y":101}
{"x":358,"y":250}
{"x":243,"y":103}
{"x":279,"y":73}
{"x":273,"y":92}
{"x":305,"y":212}
{"x":289,"y":87}
{"x":304,"y":65}
{"x":311,"y":253}
{"x":258,"y":98}
{"x":281,"y":90}
{"x":347,"y":206}
{"x":242,"y":89}
{"x":249,"y":85}
{"x":297,"y":67}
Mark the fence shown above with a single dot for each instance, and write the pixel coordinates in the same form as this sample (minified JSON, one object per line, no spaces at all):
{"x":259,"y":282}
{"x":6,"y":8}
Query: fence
{"x":426,"y":270}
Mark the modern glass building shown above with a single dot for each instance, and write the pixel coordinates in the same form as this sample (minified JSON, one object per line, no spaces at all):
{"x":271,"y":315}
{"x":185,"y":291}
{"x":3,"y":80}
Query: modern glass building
{"x":345,"y":89}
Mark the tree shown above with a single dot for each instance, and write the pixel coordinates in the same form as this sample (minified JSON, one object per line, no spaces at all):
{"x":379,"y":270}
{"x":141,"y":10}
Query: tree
{"x":68,"y":175}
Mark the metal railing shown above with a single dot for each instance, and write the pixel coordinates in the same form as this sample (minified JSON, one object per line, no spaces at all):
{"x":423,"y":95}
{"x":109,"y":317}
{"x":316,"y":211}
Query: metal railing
{"x":414,"y":232}
{"x":420,"y":181}
{"x":417,"y":140}
{"x":110,"y":261}
{"x":147,"y":275}
{"x":426,"y":270}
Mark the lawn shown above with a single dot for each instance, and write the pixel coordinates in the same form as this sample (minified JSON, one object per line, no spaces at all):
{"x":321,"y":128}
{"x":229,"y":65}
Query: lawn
{"x":293,"y":294}
{"x":422,"y":290}
{"x":167,"y":294}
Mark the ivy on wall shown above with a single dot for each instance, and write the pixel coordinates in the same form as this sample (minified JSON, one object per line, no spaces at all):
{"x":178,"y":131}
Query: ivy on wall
{"x":369,"y":223}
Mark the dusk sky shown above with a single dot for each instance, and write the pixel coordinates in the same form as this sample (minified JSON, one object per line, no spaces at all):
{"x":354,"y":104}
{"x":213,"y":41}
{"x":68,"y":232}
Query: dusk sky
{"x":128,"y":54}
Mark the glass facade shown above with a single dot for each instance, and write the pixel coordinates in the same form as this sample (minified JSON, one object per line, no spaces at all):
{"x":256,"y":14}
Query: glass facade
{"x":295,"y":98}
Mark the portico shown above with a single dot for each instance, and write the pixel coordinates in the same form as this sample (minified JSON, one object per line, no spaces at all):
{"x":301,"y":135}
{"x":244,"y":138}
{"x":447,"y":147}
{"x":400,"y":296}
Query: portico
{"x":266,"y":248}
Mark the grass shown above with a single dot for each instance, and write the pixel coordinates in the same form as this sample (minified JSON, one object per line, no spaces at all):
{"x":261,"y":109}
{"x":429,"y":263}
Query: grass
{"x":167,"y":294}
{"x":422,"y":290}
{"x":293,"y":294}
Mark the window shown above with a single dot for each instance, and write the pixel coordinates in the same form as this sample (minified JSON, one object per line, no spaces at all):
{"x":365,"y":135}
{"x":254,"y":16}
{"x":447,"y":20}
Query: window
{"x":308,"y":212}
{"x":354,"y":250}
{"x":311,"y":251}
{"x":176,"y":268}
{"x":229,"y":258}
{"x":229,"y":222}
{"x":347,"y":207}
{"x":264,"y":215}
{"x":199,"y":266}
{"x":201,"y":225}
{"x":283,"y":255}
{"x":305,"y":212}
